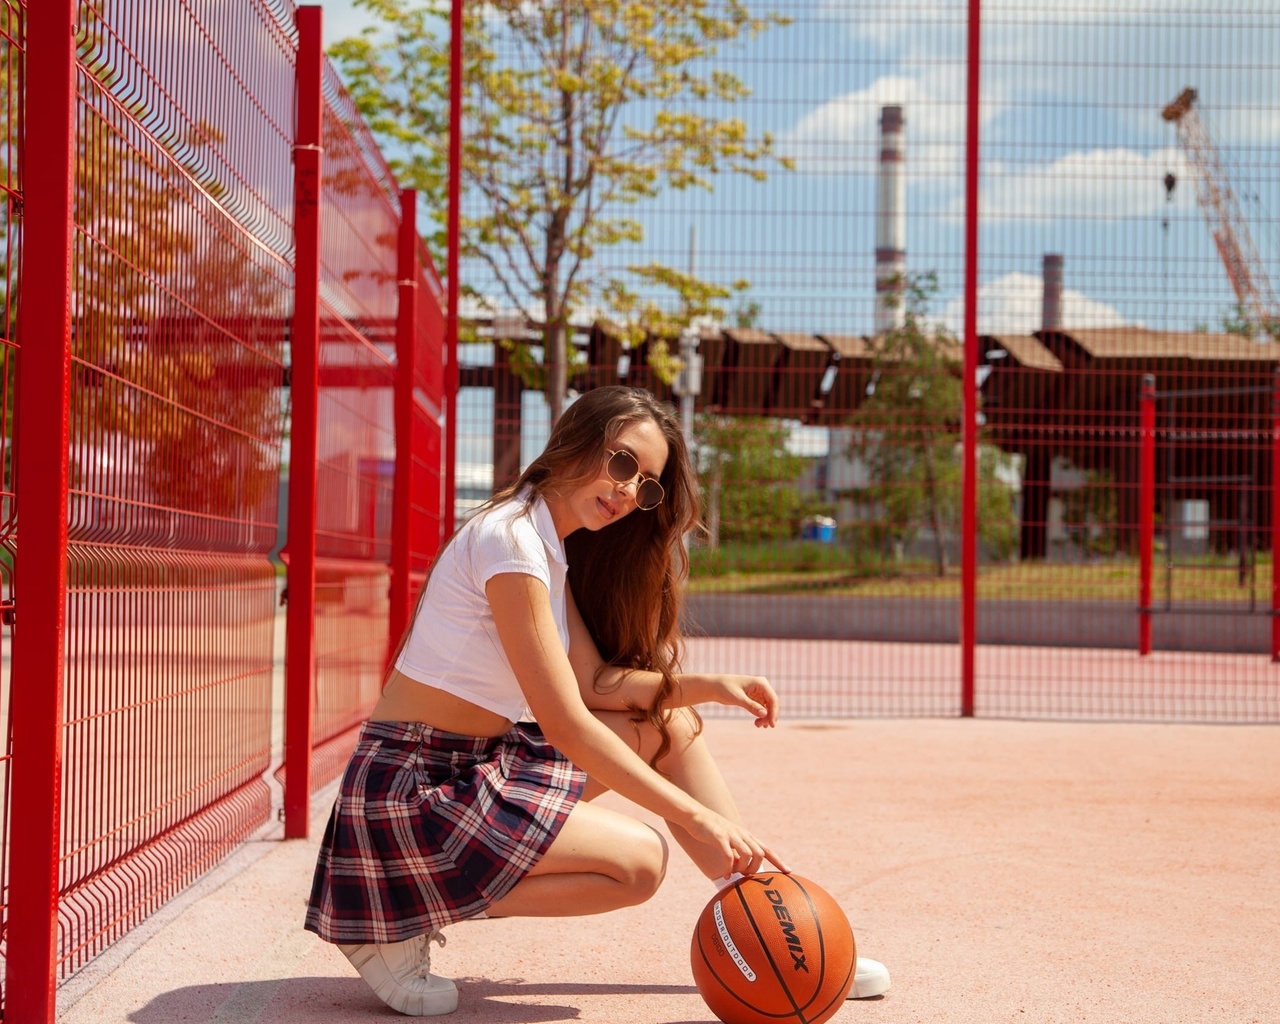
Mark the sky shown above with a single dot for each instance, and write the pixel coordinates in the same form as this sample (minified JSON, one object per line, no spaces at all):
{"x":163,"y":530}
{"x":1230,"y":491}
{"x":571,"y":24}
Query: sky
{"x":1074,"y":157}
{"x":342,"y":19}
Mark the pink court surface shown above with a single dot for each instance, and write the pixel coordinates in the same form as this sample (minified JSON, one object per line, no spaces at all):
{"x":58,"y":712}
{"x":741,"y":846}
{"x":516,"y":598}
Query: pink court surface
{"x":1029,"y":871}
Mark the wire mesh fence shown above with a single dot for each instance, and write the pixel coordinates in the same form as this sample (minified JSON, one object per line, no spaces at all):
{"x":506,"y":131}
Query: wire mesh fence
{"x":182,"y":280}
{"x":360,"y":216}
{"x":12,"y":59}
{"x":767,"y":229}
{"x":181,"y":307}
{"x":795,"y":223}
{"x":426,"y":488}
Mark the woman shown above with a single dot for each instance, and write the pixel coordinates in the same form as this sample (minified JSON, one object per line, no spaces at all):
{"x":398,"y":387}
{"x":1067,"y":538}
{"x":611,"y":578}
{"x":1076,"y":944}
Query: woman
{"x":538,"y":672}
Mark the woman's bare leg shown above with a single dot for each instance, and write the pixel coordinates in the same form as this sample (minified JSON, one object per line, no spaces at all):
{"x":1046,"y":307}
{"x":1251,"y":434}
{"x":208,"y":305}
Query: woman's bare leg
{"x":600,"y":861}
{"x":689,"y":765}
{"x":603,"y":860}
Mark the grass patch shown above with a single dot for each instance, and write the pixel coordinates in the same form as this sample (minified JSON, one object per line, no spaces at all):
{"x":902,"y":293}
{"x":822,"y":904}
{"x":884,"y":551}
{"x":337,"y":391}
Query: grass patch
{"x":797,"y":568}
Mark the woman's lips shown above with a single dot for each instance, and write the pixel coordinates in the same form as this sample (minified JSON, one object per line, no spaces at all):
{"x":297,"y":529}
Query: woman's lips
{"x":607,"y":510}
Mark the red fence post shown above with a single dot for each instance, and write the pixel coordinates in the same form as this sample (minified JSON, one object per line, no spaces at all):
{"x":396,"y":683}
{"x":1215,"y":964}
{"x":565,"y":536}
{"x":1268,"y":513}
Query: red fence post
{"x":969,"y":515}
{"x":1275,"y":515}
{"x":406,"y":369}
{"x":40,"y":572}
{"x":451,"y":266}
{"x":1146,"y":510}
{"x":305,"y":352}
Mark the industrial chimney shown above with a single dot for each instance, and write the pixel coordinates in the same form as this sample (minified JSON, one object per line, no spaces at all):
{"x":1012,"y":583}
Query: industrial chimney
{"x":891,"y":224}
{"x":1051,"y":305}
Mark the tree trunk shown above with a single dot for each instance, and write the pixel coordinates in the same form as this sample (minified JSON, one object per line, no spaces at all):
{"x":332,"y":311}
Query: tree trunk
{"x":555,"y":354}
{"x":555,"y":330}
{"x":555,"y":357}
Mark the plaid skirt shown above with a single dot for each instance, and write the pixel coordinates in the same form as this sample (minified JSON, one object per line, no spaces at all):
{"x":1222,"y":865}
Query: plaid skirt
{"x":432,"y":827}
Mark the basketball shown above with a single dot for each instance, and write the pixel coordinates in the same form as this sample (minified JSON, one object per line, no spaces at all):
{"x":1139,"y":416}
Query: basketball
{"x":773,"y":949}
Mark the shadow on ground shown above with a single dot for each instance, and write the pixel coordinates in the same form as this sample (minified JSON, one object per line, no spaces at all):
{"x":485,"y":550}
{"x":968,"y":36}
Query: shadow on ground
{"x":294,"y":1000}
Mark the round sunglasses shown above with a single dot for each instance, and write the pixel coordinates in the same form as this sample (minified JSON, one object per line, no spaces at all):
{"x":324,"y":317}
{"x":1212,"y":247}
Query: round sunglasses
{"x":623,"y":468}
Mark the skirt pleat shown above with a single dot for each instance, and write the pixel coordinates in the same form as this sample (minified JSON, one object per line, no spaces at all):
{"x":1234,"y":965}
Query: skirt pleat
{"x":431,"y":827}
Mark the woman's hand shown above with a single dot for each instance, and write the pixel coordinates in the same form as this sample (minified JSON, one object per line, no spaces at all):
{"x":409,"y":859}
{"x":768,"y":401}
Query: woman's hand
{"x":752,"y":693}
{"x":742,"y":851}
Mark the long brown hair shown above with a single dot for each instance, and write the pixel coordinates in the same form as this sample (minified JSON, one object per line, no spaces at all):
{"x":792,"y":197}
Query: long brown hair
{"x":627,"y":578}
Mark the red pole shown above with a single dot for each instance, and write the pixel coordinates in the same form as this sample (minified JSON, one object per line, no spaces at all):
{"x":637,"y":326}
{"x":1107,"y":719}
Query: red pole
{"x":305,"y":350}
{"x":406,"y":354}
{"x":451,"y":267}
{"x":969,"y":515}
{"x":40,"y":573}
{"x":1275,"y":515}
{"x":1146,"y":510}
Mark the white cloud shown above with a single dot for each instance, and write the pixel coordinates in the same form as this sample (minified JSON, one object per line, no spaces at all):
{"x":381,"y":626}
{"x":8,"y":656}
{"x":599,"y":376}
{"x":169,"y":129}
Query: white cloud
{"x":1126,"y":60}
{"x":842,"y":136}
{"x":1012,"y":305}
{"x":1101,"y":184}
{"x":904,"y":27}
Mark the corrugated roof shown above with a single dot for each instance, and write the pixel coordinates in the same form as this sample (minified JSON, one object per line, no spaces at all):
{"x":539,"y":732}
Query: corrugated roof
{"x":1142,"y":343}
{"x":950,"y":348}
{"x":1029,"y":352}
{"x":802,"y":342}
{"x":850,"y":346}
{"x":749,"y":336}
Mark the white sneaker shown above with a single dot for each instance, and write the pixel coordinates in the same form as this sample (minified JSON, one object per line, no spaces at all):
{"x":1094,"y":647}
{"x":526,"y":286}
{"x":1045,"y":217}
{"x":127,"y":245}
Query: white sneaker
{"x":870,"y":978}
{"x":400,"y":975}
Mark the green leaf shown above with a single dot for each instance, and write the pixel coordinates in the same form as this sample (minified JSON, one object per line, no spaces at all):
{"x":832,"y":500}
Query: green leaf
{"x":553,"y":137}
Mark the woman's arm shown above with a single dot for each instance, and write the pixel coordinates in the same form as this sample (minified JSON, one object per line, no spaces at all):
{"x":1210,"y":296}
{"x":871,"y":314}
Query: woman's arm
{"x":610,"y":688}
{"x":522,"y":613}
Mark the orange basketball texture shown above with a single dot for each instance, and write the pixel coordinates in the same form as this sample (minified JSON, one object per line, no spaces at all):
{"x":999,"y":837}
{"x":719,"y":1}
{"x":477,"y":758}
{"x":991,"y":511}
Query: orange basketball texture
{"x":773,"y":949}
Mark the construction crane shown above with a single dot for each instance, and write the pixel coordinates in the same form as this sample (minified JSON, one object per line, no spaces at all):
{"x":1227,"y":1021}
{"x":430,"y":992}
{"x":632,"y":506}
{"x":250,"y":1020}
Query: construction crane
{"x":1226,"y":223}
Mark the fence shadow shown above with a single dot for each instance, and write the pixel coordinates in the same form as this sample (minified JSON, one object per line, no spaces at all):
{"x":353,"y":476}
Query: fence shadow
{"x":348,"y":1000}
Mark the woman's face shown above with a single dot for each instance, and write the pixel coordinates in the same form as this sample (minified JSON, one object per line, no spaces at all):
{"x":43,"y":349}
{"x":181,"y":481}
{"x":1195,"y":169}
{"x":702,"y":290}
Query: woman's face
{"x":602,"y":500}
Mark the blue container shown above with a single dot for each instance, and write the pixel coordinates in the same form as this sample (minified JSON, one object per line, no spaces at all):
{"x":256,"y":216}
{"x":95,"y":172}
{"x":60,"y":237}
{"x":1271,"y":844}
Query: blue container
{"x":819,"y":528}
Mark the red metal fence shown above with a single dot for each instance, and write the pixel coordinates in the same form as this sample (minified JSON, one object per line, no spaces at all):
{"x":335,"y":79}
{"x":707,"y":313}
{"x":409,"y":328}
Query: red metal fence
{"x":933,"y":483}
{"x":421,"y":402}
{"x":12,"y":60}
{"x":937,"y":301}
{"x":225,"y":289}
{"x":182,"y":276}
{"x":359,"y":212}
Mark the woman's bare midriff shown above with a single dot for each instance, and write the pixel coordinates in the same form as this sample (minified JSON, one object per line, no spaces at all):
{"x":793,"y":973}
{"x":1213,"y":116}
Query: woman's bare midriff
{"x":406,"y":700}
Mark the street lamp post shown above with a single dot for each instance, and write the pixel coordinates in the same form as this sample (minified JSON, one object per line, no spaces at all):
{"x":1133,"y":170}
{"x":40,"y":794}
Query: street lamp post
{"x":687,"y":386}
{"x":688,"y":383}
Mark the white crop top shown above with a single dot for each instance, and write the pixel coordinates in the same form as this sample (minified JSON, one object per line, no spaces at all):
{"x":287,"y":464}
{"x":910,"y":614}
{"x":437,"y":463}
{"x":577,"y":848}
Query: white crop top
{"x":453,"y":643}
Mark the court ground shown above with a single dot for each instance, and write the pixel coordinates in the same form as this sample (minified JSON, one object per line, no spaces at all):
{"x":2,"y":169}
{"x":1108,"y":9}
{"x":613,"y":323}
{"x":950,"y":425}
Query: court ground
{"x":1027,"y":871}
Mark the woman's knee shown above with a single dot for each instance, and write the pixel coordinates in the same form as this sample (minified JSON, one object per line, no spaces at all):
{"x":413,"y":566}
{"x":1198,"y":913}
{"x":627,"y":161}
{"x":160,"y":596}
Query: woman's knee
{"x":683,"y":726}
{"x":603,"y":842}
{"x":645,"y":864}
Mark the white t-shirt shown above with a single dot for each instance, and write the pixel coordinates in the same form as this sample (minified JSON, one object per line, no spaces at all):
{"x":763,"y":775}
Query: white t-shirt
{"x":453,"y":644}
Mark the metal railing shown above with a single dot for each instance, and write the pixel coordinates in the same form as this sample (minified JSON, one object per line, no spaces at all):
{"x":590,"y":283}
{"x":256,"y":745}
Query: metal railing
{"x":215,"y":293}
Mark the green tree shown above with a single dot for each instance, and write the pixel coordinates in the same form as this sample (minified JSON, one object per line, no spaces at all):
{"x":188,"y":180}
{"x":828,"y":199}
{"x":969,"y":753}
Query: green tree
{"x":640,"y":317}
{"x":998,"y":526}
{"x":907,"y":433}
{"x":748,"y":478}
{"x":1237,"y":319}
{"x":574,"y":111}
